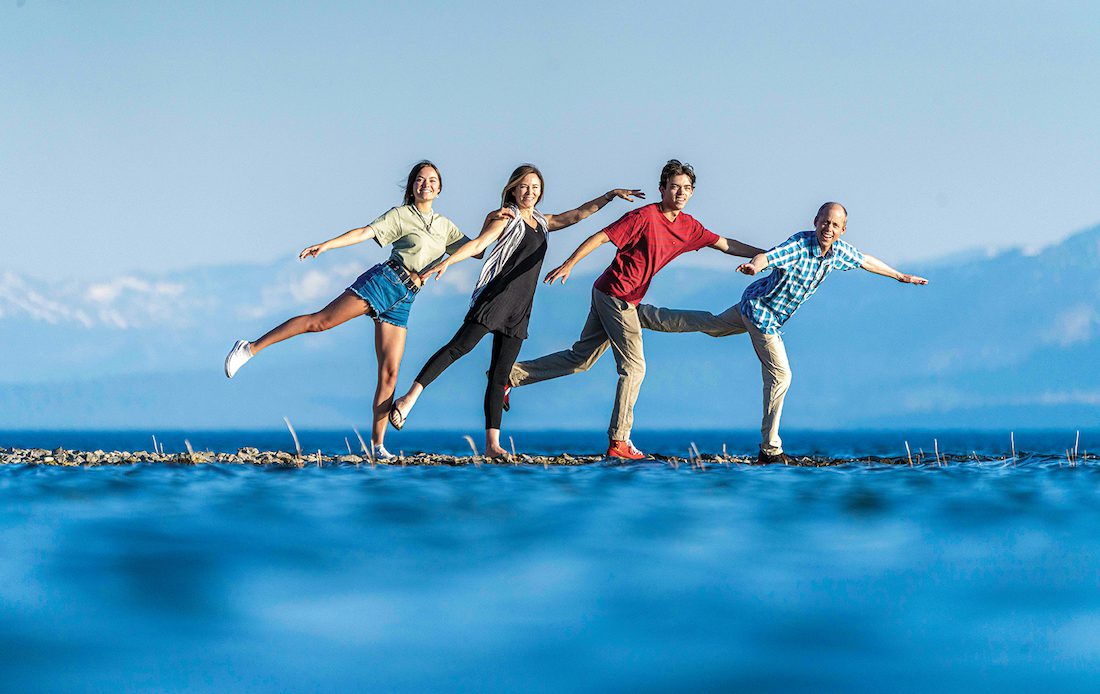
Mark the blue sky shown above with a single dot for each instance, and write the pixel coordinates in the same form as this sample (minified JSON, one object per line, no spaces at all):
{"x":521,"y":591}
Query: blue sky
{"x":156,"y":136}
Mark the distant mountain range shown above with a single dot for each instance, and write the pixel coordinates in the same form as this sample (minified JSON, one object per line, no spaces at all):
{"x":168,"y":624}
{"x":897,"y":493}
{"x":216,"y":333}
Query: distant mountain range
{"x":1005,"y":341}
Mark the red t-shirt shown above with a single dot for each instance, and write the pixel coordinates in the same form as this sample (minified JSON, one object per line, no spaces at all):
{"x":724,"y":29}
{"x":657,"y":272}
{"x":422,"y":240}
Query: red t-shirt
{"x":647,"y":242}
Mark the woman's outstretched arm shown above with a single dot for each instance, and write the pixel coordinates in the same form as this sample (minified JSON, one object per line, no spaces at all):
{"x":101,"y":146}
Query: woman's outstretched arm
{"x":348,"y":238}
{"x":490,"y":232}
{"x":567,"y":219}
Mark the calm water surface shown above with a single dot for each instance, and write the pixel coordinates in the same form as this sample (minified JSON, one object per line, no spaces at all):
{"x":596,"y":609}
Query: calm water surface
{"x":602,"y":577}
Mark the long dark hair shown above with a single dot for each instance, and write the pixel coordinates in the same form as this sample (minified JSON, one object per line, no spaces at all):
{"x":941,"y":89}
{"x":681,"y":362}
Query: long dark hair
{"x":513,"y":181}
{"x":409,"y":198}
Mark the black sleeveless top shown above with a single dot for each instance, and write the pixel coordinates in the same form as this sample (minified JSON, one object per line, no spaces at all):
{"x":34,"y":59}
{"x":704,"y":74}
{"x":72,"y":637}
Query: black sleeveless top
{"x":504,"y":305}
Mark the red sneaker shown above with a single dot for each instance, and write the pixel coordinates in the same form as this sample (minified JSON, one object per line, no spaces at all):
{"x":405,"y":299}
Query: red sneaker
{"x":507,"y":391}
{"x":625,"y":450}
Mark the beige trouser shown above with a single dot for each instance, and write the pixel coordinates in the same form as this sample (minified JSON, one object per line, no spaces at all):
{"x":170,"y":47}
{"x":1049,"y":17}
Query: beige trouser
{"x":774,"y":366}
{"x":611,"y":322}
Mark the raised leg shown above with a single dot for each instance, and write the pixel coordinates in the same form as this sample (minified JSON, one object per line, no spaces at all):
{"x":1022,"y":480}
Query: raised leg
{"x":340,"y":310}
{"x":671,"y":320}
{"x":580,"y":357}
{"x":467,"y":337}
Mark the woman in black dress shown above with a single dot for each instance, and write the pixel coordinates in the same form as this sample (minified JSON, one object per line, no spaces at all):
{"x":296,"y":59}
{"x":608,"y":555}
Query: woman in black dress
{"x":502,"y":299}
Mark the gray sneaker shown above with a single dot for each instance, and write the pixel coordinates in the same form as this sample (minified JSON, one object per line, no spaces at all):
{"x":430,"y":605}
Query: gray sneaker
{"x":237,"y":357}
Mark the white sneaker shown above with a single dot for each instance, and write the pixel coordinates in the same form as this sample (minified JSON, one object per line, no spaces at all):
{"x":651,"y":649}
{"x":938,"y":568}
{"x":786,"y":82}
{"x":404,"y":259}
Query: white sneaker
{"x":237,"y":356}
{"x":380,"y":453}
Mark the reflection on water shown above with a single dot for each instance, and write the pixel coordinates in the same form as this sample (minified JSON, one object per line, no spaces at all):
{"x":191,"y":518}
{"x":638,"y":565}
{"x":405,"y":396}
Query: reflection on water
{"x":592,"y":578}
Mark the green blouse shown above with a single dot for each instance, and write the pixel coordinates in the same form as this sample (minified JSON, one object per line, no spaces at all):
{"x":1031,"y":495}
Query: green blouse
{"x":418,"y":240}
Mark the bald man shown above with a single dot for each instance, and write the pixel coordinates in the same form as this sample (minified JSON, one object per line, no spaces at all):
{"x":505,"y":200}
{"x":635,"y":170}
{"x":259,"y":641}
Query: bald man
{"x":799,"y":264}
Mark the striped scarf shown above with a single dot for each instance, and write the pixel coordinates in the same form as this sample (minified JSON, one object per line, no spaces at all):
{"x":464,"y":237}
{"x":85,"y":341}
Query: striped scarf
{"x":506,"y":245}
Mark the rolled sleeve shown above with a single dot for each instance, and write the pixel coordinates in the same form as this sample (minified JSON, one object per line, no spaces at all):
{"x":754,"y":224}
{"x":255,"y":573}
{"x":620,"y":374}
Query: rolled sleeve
{"x":387,"y":228}
{"x":455,"y":239}
{"x":848,"y":257}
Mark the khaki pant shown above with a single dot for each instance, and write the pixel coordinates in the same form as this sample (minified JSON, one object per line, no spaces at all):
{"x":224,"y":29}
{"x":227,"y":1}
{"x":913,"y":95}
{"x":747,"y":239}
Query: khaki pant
{"x":774,"y":367}
{"x":611,"y":322}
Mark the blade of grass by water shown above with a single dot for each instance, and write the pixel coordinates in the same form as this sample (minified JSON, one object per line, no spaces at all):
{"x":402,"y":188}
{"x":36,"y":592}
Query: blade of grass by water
{"x":294,"y":435}
{"x":473,"y":447}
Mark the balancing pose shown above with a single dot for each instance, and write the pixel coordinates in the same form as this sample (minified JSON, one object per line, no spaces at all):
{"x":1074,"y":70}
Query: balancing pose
{"x":385,"y":292}
{"x":800,"y":263}
{"x":647,"y":239}
{"x":502,"y":298}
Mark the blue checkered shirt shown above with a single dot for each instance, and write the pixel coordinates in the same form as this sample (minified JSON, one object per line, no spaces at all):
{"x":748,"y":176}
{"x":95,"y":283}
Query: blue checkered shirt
{"x":799,"y":267}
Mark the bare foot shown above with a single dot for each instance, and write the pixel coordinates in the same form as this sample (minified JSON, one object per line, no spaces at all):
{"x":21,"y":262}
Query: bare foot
{"x":398,"y":415}
{"x":496,"y":452}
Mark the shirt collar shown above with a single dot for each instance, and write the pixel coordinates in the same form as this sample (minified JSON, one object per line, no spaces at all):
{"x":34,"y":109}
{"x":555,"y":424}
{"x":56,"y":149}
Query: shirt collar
{"x":817,"y":248}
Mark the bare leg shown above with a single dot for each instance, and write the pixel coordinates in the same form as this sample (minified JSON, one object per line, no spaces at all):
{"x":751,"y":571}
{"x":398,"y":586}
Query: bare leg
{"x":389,"y":347}
{"x":340,"y":310}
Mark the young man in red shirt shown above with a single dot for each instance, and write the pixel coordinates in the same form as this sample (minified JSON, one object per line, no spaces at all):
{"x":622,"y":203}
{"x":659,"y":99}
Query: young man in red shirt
{"x":647,"y":239}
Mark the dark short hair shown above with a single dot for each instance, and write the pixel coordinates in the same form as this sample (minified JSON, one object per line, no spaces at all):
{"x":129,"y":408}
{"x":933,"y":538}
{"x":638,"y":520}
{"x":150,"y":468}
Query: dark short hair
{"x":821,"y":210}
{"x":675,"y":168}
{"x":506,"y":195}
{"x":412,"y":179}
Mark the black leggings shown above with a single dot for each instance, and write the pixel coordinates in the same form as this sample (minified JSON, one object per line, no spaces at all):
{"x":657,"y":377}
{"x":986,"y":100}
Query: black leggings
{"x":505,"y":351}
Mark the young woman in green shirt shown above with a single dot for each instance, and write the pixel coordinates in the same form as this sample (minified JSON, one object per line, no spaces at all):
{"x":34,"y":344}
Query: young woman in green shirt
{"x":420,"y":237}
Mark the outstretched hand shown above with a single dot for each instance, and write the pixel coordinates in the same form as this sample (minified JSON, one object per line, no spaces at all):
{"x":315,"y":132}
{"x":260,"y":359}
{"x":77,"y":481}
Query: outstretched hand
{"x":911,"y":279}
{"x":502,"y":213}
{"x":561,"y":272}
{"x":746,"y":269}
{"x":436,"y":270}
{"x":625,"y":194}
{"x":311,"y":252}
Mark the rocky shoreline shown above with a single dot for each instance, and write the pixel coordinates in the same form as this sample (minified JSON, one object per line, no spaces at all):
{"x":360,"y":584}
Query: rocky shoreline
{"x":252,"y":456}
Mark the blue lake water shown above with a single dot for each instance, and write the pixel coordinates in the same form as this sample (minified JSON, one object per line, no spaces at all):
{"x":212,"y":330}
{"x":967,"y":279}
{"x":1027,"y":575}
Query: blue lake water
{"x":592,"y":578}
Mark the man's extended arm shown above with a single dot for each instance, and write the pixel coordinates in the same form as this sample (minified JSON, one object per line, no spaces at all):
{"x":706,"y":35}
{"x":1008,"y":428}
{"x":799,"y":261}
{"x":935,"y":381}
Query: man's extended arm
{"x":873,"y":264}
{"x":735,"y":247}
{"x":759,"y":263}
{"x":590,"y":244}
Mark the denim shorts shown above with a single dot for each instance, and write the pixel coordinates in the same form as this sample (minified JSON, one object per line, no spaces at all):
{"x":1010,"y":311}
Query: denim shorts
{"x":386,"y":292}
